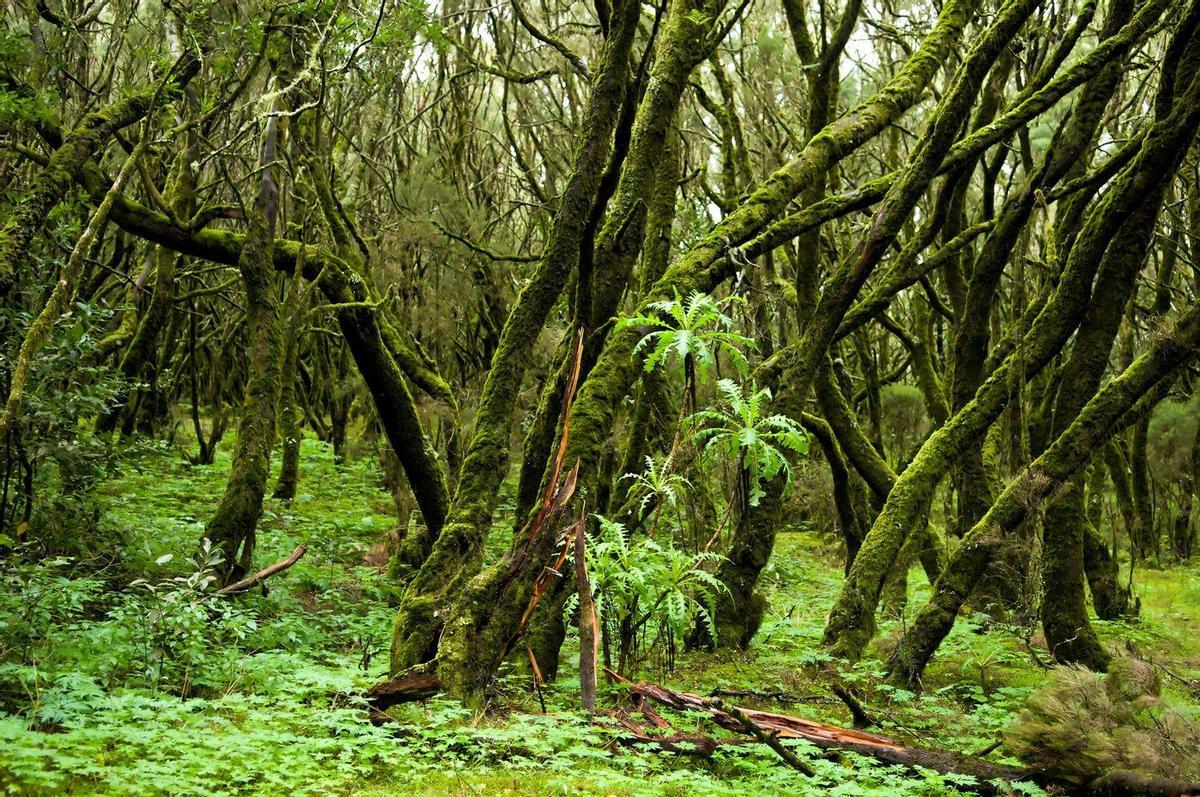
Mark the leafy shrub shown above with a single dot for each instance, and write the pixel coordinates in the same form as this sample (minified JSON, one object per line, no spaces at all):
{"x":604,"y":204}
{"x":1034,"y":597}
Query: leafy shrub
{"x":647,"y":594}
{"x":1169,"y":439}
{"x":905,"y":422}
{"x":694,"y":330}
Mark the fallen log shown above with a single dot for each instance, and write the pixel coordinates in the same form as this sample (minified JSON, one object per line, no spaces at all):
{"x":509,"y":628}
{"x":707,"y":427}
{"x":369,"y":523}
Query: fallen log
{"x":881,"y":748}
{"x":775,"y":695}
{"x":414,"y":684}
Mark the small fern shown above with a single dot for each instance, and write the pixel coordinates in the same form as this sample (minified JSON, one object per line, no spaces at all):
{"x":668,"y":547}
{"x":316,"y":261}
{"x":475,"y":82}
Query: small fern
{"x":739,"y":430}
{"x":647,"y":593}
{"x":694,"y":330}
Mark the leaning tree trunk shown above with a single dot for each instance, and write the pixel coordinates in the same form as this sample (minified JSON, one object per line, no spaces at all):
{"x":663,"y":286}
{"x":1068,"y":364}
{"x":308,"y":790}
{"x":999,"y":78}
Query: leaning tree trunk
{"x":1094,"y":424}
{"x":140,"y":358}
{"x":850,"y":626}
{"x":1064,"y":611}
{"x":66,"y":165}
{"x":491,"y":610}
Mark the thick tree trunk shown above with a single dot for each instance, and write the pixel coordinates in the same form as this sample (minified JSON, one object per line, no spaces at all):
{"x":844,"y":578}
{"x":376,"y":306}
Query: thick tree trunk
{"x":1110,"y":598}
{"x":445,"y":579}
{"x":1147,"y":541}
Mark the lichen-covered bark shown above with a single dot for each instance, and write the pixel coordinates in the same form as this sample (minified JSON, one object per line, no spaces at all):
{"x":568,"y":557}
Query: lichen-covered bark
{"x":1064,"y":610}
{"x":139,"y":360}
{"x":853,"y":441}
{"x":59,"y":298}
{"x":706,"y":264}
{"x":700,"y":268}
{"x":851,"y":525}
{"x":87,"y":140}
{"x":1063,"y":155}
{"x":1146,"y":541}
{"x":232,"y":527}
{"x":1110,"y":598}
{"x":384,"y":364}
{"x":376,"y":346}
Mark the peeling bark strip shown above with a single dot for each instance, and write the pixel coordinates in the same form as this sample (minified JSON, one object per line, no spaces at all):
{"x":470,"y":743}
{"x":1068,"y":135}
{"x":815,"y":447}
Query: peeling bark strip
{"x":589,"y":627}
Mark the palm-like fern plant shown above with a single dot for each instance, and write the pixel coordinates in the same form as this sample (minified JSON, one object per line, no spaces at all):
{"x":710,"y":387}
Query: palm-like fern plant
{"x":758,"y":443}
{"x":647,"y":593}
{"x":657,"y":487}
{"x":693,"y":331}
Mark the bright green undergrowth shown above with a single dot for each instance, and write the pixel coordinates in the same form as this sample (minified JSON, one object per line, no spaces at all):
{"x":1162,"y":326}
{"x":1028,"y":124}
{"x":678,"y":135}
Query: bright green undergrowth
{"x":125,"y":675}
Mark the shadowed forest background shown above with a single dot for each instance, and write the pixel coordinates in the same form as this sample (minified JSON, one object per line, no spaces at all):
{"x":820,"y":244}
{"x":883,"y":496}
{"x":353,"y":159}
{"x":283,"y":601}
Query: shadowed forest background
{"x":610,"y":397}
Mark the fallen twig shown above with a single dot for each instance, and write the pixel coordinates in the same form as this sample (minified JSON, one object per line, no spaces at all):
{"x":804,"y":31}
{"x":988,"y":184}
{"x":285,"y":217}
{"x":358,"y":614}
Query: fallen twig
{"x":265,"y":573}
{"x":416,"y":683}
{"x":862,"y":719}
{"x":769,"y":739}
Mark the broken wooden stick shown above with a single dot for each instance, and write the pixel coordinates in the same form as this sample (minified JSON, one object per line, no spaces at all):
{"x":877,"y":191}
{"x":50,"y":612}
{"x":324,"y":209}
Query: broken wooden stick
{"x":416,"y":683}
{"x":862,"y":718}
{"x":589,"y":630}
{"x":769,"y":739}
{"x":265,"y":573}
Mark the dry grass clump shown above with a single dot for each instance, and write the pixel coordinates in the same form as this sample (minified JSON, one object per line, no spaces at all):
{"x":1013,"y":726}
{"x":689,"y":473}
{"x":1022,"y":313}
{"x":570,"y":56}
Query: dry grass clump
{"x":1080,"y":725}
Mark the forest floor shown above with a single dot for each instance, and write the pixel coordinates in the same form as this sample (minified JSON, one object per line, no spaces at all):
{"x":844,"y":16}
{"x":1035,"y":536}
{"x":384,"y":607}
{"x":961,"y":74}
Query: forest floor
{"x":161,"y":688}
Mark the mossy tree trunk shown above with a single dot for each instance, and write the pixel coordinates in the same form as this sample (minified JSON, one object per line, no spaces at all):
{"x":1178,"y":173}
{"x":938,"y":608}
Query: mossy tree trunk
{"x":289,"y":407}
{"x":850,"y":624}
{"x":1070,"y":451}
{"x":88,"y":140}
{"x":232,"y":529}
{"x":1064,"y":611}
{"x":441,"y":584}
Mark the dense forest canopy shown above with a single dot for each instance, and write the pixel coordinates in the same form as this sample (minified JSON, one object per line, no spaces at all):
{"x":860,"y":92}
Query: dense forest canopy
{"x":617,"y":301}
